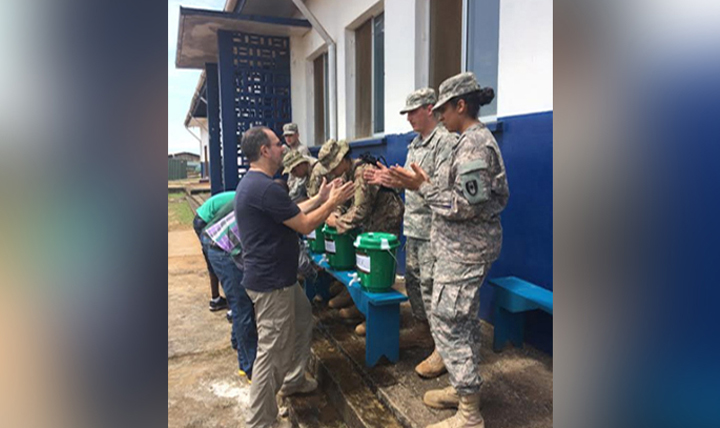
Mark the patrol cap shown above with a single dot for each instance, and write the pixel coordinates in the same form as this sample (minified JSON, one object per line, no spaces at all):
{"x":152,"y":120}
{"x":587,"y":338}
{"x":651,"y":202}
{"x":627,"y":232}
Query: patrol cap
{"x":332,"y":152}
{"x":459,"y":84}
{"x":290,"y":129}
{"x":419,"y":98}
{"x":292,"y":159}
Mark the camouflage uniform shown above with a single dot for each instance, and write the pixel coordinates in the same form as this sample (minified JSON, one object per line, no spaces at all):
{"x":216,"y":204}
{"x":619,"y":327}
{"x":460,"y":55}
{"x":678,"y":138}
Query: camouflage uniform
{"x":373,"y":209}
{"x":297,"y":185}
{"x":419,"y":259}
{"x":317,"y":173}
{"x":467,"y":193}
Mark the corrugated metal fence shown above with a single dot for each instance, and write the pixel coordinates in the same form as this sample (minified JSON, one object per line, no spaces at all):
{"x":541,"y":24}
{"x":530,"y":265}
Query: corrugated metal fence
{"x":177,"y":169}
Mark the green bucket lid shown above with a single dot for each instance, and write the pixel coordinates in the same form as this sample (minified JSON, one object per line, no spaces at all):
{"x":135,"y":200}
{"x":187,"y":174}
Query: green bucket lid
{"x":377,"y":241}
{"x":329,"y":230}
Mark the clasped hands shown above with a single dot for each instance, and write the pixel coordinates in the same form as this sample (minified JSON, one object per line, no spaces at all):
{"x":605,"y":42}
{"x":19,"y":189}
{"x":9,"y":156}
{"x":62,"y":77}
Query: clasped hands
{"x":397,"y":176}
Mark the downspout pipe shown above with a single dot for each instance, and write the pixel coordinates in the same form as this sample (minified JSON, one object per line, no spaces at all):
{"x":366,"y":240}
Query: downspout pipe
{"x":332,"y":66}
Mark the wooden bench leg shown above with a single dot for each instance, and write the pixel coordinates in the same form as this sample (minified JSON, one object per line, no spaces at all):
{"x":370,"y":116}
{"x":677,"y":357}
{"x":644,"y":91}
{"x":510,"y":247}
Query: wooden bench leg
{"x":382,"y":336}
{"x":508,"y":326}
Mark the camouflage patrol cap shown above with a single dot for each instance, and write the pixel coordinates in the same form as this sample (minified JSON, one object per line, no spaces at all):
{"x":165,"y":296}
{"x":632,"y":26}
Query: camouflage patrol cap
{"x":290,"y":129}
{"x":332,"y":152}
{"x":292,"y":159}
{"x":419,"y":98}
{"x":459,"y":84}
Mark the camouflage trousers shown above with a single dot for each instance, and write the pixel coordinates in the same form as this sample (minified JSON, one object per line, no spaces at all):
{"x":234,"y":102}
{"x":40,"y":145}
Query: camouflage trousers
{"x":419,"y":262}
{"x":454,"y":321}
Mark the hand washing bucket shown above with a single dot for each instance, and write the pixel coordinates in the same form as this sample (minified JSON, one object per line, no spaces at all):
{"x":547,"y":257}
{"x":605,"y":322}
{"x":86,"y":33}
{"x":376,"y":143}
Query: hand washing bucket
{"x":339,"y":248}
{"x":375,"y":260}
{"x":316,"y":240}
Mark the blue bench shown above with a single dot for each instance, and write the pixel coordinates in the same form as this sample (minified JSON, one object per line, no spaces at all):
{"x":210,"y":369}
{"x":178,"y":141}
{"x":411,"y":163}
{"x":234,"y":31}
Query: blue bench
{"x":514,"y":297}
{"x":381,"y":310}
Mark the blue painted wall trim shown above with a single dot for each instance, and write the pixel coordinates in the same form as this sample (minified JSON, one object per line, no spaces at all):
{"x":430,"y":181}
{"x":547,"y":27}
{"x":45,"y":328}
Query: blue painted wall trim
{"x":526,"y":142}
{"x":213,"y":115}
{"x":228,"y":116}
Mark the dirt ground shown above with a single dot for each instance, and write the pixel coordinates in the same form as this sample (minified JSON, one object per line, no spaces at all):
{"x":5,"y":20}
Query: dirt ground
{"x":204,"y":389}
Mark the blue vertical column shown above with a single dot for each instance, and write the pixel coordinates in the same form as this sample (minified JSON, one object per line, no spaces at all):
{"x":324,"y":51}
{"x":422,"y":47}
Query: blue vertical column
{"x":213,"y":115}
{"x":228,"y":117}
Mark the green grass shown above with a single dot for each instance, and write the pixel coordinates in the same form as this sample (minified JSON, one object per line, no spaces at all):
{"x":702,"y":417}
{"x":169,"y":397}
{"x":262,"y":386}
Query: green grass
{"x":174,"y":196}
{"x":179,"y":211}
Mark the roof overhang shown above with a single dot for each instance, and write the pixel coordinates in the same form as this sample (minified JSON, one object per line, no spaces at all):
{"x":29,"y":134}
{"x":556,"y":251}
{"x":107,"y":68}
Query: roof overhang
{"x":197,"y":32}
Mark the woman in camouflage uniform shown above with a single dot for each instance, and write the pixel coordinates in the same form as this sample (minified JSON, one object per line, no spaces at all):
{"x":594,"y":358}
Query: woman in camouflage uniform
{"x":467,"y":193}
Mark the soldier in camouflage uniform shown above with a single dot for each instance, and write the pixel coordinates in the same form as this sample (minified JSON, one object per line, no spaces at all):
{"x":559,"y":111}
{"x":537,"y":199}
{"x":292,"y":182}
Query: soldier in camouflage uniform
{"x":467,"y":193}
{"x":292,"y":139}
{"x":374,"y":208}
{"x":299,"y":167}
{"x":296,"y":184}
{"x":427,"y":148}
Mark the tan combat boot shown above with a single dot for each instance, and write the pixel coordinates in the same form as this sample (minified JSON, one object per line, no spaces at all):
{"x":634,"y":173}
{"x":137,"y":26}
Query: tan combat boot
{"x":467,"y":416}
{"x":361,"y":329}
{"x":336,"y":288}
{"x":445,"y":398}
{"x":433,"y":366}
{"x":350,"y":313}
{"x":341,"y":300}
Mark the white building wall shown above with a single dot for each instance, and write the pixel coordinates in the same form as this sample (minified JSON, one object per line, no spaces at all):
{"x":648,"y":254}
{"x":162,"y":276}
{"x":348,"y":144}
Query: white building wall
{"x":400,"y":63}
{"x":336,"y":17}
{"x":525,"y":57}
{"x":205,"y":138}
{"x":525,"y":63}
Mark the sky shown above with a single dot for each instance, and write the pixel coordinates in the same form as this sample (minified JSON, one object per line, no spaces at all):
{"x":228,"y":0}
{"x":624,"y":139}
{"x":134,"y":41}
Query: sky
{"x":182,"y":82}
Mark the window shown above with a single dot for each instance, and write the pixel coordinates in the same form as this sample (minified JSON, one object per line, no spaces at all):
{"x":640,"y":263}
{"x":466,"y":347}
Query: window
{"x":378,"y":76}
{"x":321,"y":99}
{"x":370,"y":77}
{"x":445,"y":40}
{"x":463,"y":35}
{"x":483,"y":23}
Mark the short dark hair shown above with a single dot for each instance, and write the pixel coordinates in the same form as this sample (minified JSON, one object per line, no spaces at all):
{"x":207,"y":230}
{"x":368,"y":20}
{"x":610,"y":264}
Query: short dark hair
{"x":252,"y":140}
{"x":474,"y":100}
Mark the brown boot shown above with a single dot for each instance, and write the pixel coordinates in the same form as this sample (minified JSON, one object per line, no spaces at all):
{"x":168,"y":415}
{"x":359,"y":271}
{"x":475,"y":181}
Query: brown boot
{"x":433,"y":366}
{"x":445,"y":398}
{"x":360,"y":329}
{"x":350,"y":313}
{"x":336,"y":288}
{"x":467,"y":416}
{"x":341,"y":300}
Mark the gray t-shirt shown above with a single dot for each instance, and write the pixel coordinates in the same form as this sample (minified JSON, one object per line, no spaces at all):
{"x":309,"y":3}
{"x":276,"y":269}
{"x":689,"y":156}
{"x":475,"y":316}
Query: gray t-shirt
{"x":270,"y":249}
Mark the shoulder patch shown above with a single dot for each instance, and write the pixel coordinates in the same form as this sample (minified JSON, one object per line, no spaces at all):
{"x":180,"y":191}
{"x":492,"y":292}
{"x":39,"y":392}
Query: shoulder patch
{"x":473,"y":186}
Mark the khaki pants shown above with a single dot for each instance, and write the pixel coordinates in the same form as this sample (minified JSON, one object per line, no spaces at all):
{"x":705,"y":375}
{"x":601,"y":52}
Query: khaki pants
{"x":284,"y":323}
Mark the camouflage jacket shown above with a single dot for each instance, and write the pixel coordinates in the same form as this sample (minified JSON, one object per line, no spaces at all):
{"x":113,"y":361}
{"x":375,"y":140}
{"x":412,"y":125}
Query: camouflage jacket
{"x":426,"y":153}
{"x":317,"y":173}
{"x":467,"y":193}
{"x":303,"y":149}
{"x":298,"y":186}
{"x":372,"y":209}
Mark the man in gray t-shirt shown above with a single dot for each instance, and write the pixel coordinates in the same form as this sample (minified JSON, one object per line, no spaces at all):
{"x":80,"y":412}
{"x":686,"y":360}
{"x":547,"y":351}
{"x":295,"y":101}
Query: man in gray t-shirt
{"x":268,"y":223}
